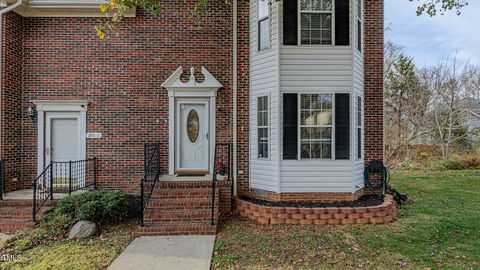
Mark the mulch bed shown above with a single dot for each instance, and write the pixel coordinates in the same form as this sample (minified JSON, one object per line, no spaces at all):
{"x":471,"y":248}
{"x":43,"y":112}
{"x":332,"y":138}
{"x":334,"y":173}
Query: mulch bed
{"x":367,"y":200}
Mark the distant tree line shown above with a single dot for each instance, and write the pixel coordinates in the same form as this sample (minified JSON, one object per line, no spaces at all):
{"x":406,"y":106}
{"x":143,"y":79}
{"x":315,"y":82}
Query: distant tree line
{"x":436,"y":106}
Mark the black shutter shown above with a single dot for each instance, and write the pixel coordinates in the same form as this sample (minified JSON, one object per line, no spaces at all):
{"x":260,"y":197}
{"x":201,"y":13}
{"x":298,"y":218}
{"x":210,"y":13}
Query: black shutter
{"x":290,"y":126}
{"x":290,"y":21}
{"x":342,"y":126}
{"x":342,"y":24}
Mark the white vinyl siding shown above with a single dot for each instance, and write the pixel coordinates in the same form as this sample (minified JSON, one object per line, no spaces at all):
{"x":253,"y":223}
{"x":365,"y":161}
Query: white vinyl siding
{"x":358,"y":89}
{"x":264,"y":172}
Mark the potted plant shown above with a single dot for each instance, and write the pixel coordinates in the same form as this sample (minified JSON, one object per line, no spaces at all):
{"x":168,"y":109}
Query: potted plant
{"x":221,"y":168}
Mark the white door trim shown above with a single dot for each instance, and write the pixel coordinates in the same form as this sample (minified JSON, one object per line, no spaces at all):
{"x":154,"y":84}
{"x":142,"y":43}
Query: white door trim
{"x":44,"y":106}
{"x":179,"y":102}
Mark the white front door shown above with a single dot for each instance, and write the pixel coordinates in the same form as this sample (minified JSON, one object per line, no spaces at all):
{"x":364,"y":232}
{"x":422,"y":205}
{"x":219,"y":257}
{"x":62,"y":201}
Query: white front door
{"x":192,"y":135}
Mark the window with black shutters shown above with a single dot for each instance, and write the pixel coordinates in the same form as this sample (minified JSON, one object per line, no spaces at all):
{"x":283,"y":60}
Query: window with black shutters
{"x":316,"y":22}
{"x":317,"y":125}
{"x":262,"y":125}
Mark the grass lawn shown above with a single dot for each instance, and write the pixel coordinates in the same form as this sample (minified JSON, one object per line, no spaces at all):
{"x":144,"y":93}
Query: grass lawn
{"x":95,"y":253}
{"x":439,"y":230}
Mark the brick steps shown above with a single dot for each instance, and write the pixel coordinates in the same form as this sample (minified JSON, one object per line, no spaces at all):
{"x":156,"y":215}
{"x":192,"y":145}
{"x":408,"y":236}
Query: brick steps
{"x":178,"y":215}
{"x":181,"y":208}
{"x":185,"y":203}
{"x":17,"y":215}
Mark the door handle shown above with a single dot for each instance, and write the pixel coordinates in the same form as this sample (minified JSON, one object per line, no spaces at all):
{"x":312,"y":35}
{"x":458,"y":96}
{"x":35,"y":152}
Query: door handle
{"x":47,"y":151}
{"x":206,"y":135}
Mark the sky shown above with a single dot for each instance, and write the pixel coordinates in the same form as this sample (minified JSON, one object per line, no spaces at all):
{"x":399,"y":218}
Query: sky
{"x":431,"y":39}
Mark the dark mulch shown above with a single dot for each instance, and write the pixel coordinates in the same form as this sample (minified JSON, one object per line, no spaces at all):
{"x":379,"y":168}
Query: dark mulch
{"x":367,"y":200}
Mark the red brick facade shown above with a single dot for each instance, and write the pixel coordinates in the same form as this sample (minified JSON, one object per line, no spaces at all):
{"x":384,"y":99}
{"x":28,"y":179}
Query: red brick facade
{"x":121,"y":79}
{"x":373,"y":87}
{"x":63,"y":59}
{"x":12,"y":114}
{"x":243,"y":130}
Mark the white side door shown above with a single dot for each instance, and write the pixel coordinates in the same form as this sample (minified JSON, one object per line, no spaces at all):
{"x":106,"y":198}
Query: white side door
{"x":62,"y":143}
{"x":192,"y":135}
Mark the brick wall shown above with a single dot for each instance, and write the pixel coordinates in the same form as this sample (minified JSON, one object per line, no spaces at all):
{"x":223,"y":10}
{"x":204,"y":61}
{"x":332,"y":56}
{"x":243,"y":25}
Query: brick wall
{"x":374,"y":14}
{"x":121,"y":78}
{"x":12,"y":112}
{"x":383,"y":213}
{"x":243,"y":130}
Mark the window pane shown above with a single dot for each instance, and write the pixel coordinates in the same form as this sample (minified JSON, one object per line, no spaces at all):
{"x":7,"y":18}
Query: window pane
{"x":359,"y":111}
{"x":316,"y":110}
{"x":263,"y":142}
{"x":316,"y":5}
{"x":262,"y":122}
{"x":262,"y":8}
{"x":359,"y":8}
{"x":316,"y":28}
{"x":264,"y":34}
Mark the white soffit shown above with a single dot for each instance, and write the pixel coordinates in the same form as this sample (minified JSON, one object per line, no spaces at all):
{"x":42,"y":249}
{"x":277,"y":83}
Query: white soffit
{"x":64,"y":8}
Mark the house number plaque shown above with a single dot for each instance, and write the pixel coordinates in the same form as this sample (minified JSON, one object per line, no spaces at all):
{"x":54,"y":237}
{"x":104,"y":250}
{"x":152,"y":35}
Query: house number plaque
{"x":94,"y":135}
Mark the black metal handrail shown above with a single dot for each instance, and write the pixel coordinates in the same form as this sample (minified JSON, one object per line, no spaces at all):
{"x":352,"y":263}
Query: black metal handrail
{"x":63,"y":177}
{"x":2,"y":180}
{"x":42,"y":190}
{"x":218,"y":165}
{"x":150,"y":175}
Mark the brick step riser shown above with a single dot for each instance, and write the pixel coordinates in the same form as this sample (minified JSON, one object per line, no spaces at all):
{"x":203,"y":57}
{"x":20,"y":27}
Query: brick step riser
{"x":180,"y":196}
{"x":173,"y":217}
{"x":183,"y":193}
{"x":16,"y":216}
{"x":12,"y":203}
{"x":178,"y":203}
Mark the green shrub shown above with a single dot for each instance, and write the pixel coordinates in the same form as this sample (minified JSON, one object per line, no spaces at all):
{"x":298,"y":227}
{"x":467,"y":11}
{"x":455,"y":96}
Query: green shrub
{"x":95,"y":206}
{"x":453,"y":165}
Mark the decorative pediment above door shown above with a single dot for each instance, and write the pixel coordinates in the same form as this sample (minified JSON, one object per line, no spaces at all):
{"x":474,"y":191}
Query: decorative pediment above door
{"x":191,"y":121}
{"x":192,"y":88}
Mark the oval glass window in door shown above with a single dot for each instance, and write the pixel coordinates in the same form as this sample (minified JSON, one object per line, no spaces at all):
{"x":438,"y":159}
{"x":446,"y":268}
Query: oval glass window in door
{"x":193,"y":126}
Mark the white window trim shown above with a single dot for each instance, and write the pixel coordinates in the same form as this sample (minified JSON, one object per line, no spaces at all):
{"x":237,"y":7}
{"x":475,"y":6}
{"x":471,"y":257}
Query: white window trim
{"x":261,"y":19}
{"x":299,"y":25}
{"x":299,"y":128}
{"x":267,"y":127}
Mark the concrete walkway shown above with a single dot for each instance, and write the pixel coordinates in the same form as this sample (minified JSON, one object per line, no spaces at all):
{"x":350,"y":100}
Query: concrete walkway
{"x":189,"y":252}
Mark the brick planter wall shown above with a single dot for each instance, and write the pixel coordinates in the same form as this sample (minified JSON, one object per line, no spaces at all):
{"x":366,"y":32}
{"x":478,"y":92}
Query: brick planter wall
{"x":380,"y":214}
